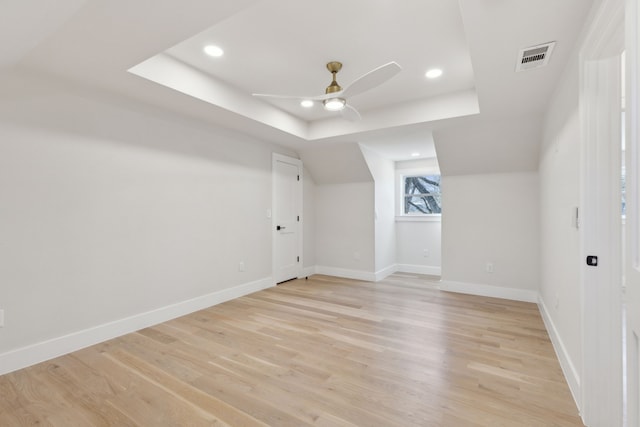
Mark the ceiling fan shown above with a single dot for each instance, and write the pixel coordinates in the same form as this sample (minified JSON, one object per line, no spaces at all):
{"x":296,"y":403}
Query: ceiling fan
{"x":335,"y":97}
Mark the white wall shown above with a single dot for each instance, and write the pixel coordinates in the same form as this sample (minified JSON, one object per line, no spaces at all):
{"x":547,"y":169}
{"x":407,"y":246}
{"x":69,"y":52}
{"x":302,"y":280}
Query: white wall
{"x":345,"y":230}
{"x":344,"y":209}
{"x":309,"y":222}
{"x":383,"y":172}
{"x":107,"y":212}
{"x":560,"y":289}
{"x":413,"y":239}
{"x":414,"y":236}
{"x":494,"y":219}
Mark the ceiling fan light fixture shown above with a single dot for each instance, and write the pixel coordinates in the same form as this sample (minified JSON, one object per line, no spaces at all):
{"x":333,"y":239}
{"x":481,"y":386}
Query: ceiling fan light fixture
{"x":433,"y":73}
{"x":334,"y":104}
{"x":213,"y":50}
{"x":306,"y":103}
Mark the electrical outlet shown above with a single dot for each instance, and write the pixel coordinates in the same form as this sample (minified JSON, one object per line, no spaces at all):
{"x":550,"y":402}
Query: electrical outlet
{"x":241,"y":266}
{"x":489,"y":267}
{"x":425,"y":253}
{"x":1,"y":318}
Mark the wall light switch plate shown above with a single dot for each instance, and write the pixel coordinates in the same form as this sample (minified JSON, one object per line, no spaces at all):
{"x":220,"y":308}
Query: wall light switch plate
{"x":1,"y":318}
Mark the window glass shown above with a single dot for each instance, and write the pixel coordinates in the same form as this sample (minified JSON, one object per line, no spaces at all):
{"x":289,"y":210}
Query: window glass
{"x":422,"y":195}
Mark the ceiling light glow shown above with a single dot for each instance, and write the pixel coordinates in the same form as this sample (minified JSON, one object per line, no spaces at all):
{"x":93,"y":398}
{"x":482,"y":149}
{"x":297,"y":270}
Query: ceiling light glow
{"x":416,"y":154}
{"x":433,"y":73}
{"x":334,"y":104}
{"x":214,"y":51}
{"x":307,"y":103}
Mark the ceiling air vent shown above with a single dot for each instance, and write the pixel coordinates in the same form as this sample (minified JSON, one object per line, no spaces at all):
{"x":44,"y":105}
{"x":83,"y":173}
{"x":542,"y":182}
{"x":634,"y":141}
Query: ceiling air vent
{"x":534,"y":56}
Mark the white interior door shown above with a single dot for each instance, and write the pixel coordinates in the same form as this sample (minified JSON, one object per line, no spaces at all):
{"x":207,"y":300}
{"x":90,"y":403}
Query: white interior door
{"x":600,"y":115}
{"x":632,"y":227}
{"x":287,"y":207}
{"x":601,"y":236}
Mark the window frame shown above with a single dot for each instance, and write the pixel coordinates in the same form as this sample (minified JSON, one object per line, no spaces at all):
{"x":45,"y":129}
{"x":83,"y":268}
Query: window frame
{"x":401,"y":175}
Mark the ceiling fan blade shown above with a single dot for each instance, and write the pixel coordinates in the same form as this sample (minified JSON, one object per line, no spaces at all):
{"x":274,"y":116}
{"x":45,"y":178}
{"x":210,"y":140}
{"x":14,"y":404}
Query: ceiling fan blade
{"x":350,"y":113}
{"x":372,"y":79}
{"x":267,"y":95}
{"x":300,"y":98}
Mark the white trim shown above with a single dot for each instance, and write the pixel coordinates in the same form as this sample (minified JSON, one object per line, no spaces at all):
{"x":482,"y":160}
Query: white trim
{"x":630,"y":272}
{"x":400,"y":177}
{"x":371,"y":277}
{"x":346,"y":273}
{"x":40,"y":352}
{"x":419,"y":218}
{"x":307,"y":271}
{"x":399,"y":185}
{"x":489,"y":291}
{"x":386,"y":272}
{"x":420,"y":269}
{"x":568,"y":368}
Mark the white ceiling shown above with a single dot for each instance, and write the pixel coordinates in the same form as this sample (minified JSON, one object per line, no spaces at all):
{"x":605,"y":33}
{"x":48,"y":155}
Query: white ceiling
{"x":415,"y":145}
{"x":281,"y":46}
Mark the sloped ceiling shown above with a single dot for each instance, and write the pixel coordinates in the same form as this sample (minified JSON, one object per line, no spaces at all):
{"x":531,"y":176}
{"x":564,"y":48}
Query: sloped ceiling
{"x":24,"y":24}
{"x":512,"y":141}
{"x":281,"y":46}
{"x":335,"y":163}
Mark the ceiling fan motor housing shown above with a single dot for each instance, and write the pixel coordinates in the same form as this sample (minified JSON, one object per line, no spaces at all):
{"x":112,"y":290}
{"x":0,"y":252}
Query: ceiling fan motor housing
{"x":333,"y":67}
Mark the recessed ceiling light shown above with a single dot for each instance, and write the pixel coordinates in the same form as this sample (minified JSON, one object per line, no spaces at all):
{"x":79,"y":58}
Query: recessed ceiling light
{"x":416,"y":154}
{"x":307,"y":103}
{"x":213,"y":50}
{"x":433,"y":73}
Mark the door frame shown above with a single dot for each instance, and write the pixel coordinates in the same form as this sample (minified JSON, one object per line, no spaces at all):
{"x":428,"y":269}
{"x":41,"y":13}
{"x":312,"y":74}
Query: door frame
{"x":276,"y":157}
{"x":632,"y":255}
{"x":601,"y":380}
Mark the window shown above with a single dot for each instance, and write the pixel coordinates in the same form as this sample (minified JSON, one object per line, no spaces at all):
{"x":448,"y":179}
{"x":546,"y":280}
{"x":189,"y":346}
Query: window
{"x":421,"y":195}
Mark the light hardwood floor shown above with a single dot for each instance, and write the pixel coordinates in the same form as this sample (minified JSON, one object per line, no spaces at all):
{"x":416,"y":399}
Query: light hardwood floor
{"x":321,"y":352}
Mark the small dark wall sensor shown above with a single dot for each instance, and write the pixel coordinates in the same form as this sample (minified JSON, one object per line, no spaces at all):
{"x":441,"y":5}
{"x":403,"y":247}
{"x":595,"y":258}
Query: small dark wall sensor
{"x":592,"y":260}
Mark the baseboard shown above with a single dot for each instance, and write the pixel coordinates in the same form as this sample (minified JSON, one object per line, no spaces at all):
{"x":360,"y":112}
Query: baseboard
{"x":489,"y":291}
{"x":385,"y":272}
{"x":346,"y":273}
{"x":307,"y":271}
{"x":419,"y":269}
{"x":569,"y":370}
{"x":368,"y":276}
{"x":46,"y":350}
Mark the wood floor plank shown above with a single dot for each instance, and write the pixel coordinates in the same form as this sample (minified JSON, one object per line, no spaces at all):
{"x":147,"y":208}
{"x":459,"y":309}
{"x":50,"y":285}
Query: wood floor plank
{"x":317,"y":352}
